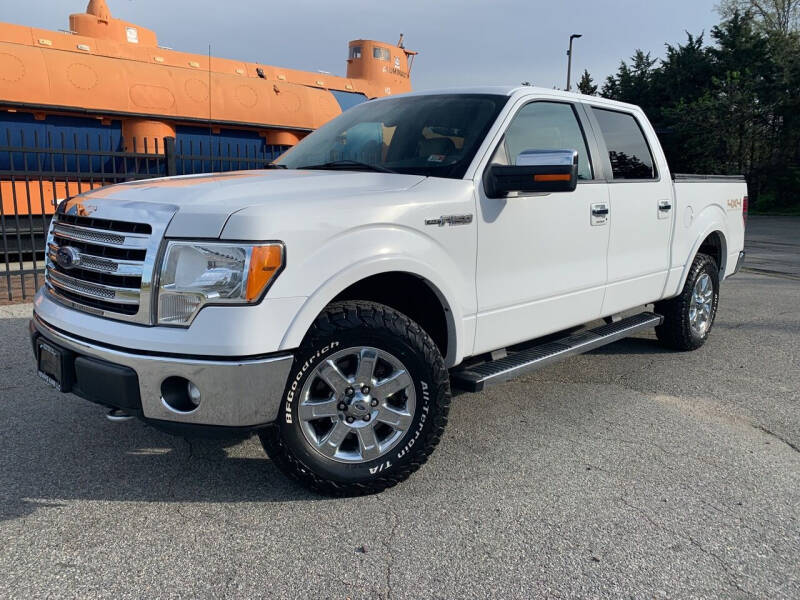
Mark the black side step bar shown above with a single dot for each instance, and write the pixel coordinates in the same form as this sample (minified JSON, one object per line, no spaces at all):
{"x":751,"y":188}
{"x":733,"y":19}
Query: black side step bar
{"x":474,"y":378}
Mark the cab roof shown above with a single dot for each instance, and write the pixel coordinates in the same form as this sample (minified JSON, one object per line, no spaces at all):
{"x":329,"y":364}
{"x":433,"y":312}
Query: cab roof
{"x":521,"y":91}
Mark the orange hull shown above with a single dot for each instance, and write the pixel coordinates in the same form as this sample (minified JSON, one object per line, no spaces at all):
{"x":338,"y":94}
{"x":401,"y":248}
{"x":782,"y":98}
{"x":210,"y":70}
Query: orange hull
{"x":107,"y":87}
{"x":111,"y":68}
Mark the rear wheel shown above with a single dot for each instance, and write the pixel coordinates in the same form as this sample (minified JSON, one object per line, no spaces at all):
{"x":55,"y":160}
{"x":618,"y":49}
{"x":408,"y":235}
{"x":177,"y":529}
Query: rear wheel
{"x":688,"y":318}
{"x":366,"y":404}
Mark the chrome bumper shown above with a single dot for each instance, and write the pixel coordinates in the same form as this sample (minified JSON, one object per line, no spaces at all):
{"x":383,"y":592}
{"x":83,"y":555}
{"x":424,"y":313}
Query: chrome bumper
{"x":235,"y":393}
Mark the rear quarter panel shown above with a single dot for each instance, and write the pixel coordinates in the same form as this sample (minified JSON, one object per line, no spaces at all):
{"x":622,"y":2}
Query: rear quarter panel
{"x":703,"y":207}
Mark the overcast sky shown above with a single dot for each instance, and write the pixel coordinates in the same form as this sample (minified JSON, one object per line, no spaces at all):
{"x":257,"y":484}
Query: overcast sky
{"x":461,"y":42}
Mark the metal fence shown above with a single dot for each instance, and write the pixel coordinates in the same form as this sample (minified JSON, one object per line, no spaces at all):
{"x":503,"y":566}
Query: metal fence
{"x":36,"y":174}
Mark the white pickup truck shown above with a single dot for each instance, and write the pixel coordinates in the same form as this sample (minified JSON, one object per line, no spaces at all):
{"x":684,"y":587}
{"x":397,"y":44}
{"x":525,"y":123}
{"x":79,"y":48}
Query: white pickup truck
{"x":418,"y":242}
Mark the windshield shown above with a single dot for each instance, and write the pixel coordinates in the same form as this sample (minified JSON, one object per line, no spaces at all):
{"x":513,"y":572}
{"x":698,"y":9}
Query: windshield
{"x":434,"y":135}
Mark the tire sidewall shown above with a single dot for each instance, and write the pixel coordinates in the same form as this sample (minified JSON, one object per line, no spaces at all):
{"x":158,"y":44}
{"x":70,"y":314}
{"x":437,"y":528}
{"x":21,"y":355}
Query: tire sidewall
{"x":317,"y":350}
{"x":704,"y":266}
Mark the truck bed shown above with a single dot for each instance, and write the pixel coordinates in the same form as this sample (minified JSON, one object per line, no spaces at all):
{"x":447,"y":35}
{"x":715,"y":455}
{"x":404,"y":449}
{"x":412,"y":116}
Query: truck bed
{"x":707,"y":203}
{"x":697,"y":178}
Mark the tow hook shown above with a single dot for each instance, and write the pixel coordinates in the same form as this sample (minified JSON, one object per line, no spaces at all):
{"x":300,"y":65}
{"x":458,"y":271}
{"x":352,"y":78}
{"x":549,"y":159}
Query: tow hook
{"x":118,"y":416}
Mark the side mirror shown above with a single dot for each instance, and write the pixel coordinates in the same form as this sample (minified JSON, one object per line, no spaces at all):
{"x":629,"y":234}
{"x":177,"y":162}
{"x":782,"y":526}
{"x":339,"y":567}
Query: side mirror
{"x":535,"y":171}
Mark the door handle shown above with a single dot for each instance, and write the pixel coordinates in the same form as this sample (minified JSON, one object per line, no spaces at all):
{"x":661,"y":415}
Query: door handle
{"x":664,"y":205}
{"x":599,"y":214}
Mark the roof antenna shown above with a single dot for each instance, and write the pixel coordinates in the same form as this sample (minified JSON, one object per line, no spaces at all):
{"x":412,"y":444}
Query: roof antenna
{"x":400,"y":42}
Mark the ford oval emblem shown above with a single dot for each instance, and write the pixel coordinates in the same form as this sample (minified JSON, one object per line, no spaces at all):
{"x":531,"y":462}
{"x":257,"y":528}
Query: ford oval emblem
{"x":68,"y":257}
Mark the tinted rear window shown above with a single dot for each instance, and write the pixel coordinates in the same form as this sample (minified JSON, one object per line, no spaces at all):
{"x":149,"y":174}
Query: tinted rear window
{"x":628,"y":151}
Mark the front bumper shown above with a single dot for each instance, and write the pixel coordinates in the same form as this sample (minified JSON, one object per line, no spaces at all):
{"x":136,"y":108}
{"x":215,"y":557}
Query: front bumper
{"x":235,"y":392}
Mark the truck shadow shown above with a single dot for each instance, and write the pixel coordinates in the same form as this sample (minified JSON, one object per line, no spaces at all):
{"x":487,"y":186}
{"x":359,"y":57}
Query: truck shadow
{"x":633,"y":345}
{"x":56,"y":448}
{"x":84,"y":461}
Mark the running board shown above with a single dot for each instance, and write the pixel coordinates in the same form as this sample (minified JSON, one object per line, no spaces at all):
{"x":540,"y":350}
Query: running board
{"x":475,"y":378}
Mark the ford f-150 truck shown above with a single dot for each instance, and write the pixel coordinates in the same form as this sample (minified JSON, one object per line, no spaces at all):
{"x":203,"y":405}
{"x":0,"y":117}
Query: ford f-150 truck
{"x":414,"y":243}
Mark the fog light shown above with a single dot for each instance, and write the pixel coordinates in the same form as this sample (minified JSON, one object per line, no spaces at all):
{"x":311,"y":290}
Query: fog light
{"x":180,"y":395}
{"x":194,"y":393}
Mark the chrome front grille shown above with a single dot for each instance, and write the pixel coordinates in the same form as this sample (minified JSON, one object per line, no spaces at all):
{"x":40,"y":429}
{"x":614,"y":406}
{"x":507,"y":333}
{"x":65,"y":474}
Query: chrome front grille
{"x":101,"y":266}
{"x":121,"y":295}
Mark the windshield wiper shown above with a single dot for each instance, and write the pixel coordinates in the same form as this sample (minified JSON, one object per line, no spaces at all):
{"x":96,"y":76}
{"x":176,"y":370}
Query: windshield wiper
{"x":335,"y":164}
{"x":274,"y":166}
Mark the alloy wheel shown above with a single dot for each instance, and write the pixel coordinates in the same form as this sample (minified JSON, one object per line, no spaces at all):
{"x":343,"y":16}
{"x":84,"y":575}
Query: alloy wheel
{"x":357,"y":404}
{"x":701,"y":305}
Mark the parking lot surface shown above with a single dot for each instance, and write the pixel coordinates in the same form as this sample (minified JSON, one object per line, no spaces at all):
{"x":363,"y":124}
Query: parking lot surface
{"x":630,"y":471}
{"x":773,"y":246}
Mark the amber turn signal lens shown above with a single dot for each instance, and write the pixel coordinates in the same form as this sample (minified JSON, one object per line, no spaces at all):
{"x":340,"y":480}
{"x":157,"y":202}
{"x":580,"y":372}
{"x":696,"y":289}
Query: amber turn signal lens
{"x":554,"y":177}
{"x":265,"y":261}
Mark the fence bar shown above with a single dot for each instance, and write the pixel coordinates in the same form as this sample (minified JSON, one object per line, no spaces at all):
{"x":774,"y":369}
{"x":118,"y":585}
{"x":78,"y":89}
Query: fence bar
{"x":58,"y":165}
{"x":5,"y":244}
{"x":30,"y":219}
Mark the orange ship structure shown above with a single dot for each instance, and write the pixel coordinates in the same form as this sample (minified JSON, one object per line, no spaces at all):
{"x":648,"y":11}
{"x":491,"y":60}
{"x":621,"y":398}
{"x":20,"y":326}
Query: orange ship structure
{"x":107,"y":86}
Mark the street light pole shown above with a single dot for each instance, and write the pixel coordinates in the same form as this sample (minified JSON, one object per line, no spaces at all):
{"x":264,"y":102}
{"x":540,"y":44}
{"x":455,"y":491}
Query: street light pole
{"x":569,"y":58}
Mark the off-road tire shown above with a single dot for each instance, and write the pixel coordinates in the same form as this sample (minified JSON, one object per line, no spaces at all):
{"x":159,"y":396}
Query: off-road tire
{"x":676,"y":331}
{"x":361,"y":324}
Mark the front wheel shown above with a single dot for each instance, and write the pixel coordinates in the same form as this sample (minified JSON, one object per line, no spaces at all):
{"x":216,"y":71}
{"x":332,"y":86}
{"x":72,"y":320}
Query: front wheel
{"x":366,"y":403}
{"x":688,"y":317}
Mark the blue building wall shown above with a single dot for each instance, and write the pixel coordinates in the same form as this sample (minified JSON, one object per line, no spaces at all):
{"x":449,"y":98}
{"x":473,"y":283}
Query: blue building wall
{"x":229,"y":150}
{"x":55,"y":133}
{"x":62,"y":136}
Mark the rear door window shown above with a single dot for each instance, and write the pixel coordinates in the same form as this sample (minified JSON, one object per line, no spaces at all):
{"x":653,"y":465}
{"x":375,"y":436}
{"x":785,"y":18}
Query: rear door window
{"x":628,"y":151}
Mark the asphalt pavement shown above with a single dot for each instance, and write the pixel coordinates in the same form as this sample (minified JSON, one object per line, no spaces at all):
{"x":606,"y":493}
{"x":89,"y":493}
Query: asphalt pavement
{"x":627,"y":472}
{"x":773,"y":245}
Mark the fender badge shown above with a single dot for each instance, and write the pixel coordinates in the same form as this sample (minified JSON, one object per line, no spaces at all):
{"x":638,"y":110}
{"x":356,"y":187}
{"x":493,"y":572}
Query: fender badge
{"x":450,"y":220}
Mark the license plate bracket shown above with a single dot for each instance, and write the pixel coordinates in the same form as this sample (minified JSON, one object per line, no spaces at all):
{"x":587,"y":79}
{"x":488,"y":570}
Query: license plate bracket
{"x":53,"y":365}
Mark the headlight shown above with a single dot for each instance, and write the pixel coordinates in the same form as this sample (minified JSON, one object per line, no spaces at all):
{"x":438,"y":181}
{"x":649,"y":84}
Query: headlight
{"x":194,"y":274}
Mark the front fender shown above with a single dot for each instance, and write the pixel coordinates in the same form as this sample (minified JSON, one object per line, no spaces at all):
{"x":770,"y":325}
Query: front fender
{"x":357,"y":254}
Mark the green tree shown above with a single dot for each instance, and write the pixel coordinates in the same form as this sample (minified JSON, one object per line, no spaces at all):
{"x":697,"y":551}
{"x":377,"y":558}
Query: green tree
{"x":586,"y":84}
{"x":632,"y":83}
{"x":685,"y":71}
{"x":676,"y":90}
{"x":742,"y":84}
{"x":732,"y":107}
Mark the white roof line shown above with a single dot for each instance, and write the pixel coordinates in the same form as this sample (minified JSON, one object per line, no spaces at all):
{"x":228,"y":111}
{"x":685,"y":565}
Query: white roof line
{"x":521,"y":90}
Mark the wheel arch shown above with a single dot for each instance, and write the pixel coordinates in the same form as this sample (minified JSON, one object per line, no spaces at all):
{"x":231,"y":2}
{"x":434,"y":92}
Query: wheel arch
{"x":712,"y":242}
{"x":392,"y":281}
{"x":709,"y":234}
{"x":715,"y":246}
{"x":411,"y":295}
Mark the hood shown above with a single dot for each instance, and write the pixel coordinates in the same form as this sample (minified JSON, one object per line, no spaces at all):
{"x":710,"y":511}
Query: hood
{"x":204,"y":203}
